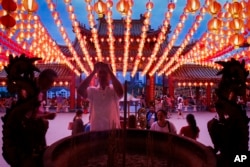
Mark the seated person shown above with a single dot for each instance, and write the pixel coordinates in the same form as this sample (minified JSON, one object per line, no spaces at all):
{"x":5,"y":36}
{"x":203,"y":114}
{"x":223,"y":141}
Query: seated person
{"x":151,"y":116}
{"x":191,"y":130}
{"x":77,"y":123}
{"x":162,"y":124}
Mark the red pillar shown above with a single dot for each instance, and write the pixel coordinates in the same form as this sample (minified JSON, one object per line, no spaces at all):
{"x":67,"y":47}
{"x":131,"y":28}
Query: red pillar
{"x":208,"y":95}
{"x":72,"y":92}
{"x":170,"y":86}
{"x":150,"y":88}
{"x":164,"y":85}
{"x":78,"y":101}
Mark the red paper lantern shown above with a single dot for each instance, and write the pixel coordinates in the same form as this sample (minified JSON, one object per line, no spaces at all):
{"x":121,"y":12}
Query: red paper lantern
{"x":171,"y":6}
{"x":236,"y":24}
{"x":7,"y":21}
{"x":214,"y":8}
{"x":100,"y":8}
{"x":149,"y":5}
{"x":237,"y":39}
{"x":235,"y":9}
{"x":9,"y":5}
{"x":193,"y":5}
{"x":30,"y":5}
{"x":123,"y":7}
{"x":214,"y":24}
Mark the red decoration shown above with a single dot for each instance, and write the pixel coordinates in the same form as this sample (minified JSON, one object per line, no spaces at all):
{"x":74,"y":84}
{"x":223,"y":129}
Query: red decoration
{"x":9,"y":5}
{"x":171,"y":6}
{"x":8,"y":21}
{"x":32,"y":7}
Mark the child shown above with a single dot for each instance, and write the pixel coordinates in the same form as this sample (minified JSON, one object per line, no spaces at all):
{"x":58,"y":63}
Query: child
{"x":179,"y":108}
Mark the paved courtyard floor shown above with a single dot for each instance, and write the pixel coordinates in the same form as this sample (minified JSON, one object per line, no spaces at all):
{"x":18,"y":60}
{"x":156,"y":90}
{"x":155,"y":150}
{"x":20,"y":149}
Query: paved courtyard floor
{"x":58,"y":128}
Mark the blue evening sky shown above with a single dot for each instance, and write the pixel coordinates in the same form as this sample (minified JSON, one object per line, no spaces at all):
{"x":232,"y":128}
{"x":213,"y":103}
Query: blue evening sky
{"x":158,"y":13}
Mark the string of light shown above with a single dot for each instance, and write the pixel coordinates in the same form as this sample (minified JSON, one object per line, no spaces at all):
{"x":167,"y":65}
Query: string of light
{"x":93,"y":30}
{"x":57,"y":20}
{"x":111,"y":35}
{"x":144,"y":30}
{"x":185,"y":42}
{"x":160,"y":39}
{"x":75,"y":25}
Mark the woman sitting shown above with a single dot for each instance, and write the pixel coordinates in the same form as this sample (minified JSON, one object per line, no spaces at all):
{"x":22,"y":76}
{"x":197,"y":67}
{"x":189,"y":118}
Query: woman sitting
{"x":162,"y":124}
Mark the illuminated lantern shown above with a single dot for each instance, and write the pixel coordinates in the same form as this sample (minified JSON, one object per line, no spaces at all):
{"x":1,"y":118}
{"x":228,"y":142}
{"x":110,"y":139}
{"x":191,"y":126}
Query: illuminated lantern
{"x":131,"y":3}
{"x":183,"y":17}
{"x":199,"y":17}
{"x":214,"y":24}
{"x":123,"y":7}
{"x":237,"y":39}
{"x":248,"y":24}
{"x":30,"y":5}
{"x":2,"y":13}
{"x":150,"y":5}
{"x":147,"y":15}
{"x":88,"y":1}
{"x":100,"y":8}
{"x":109,"y":3}
{"x":193,"y":5}
{"x":7,"y":21}
{"x":236,"y":24}
{"x":247,"y":12}
{"x":171,"y":6}
{"x":67,"y":1}
{"x":214,"y":7}
{"x":9,"y":5}
{"x":248,"y":39}
{"x":235,"y":9}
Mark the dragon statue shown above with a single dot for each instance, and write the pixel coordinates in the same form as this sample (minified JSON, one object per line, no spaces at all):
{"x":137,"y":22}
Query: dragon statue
{"x":24,"y":127}
{"x":229,"y":131}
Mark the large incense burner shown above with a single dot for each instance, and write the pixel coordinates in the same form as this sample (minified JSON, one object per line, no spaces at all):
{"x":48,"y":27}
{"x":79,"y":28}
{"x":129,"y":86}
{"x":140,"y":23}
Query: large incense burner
{"x":132,"y":147}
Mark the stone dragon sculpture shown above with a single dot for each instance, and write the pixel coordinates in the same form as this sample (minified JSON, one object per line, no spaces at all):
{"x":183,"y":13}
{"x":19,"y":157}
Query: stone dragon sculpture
{"x":24,"y":128}
{"x":230,"y":131}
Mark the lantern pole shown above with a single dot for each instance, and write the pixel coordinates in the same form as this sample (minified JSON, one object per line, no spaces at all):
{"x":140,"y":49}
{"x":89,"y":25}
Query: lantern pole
{"x":124,"y":123}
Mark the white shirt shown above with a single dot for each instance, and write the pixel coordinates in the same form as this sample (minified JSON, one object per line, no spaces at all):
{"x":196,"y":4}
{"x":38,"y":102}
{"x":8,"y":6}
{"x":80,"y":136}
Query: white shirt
{"x":169,"y":127}
{"x":104,"y":109}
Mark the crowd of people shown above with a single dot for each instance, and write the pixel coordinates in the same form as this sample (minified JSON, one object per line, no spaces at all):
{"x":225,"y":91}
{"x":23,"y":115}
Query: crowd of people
{"x":104,"y":107}
{"x":158,"y":120}
{"x":104,"y":113}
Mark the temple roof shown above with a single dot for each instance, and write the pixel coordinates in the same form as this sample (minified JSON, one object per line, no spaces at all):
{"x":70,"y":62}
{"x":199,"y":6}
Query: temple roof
{"x":192,"y":72}
{"x":63,"y":72}
{"x":185,"y":73}
{"x":119,"y":28}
